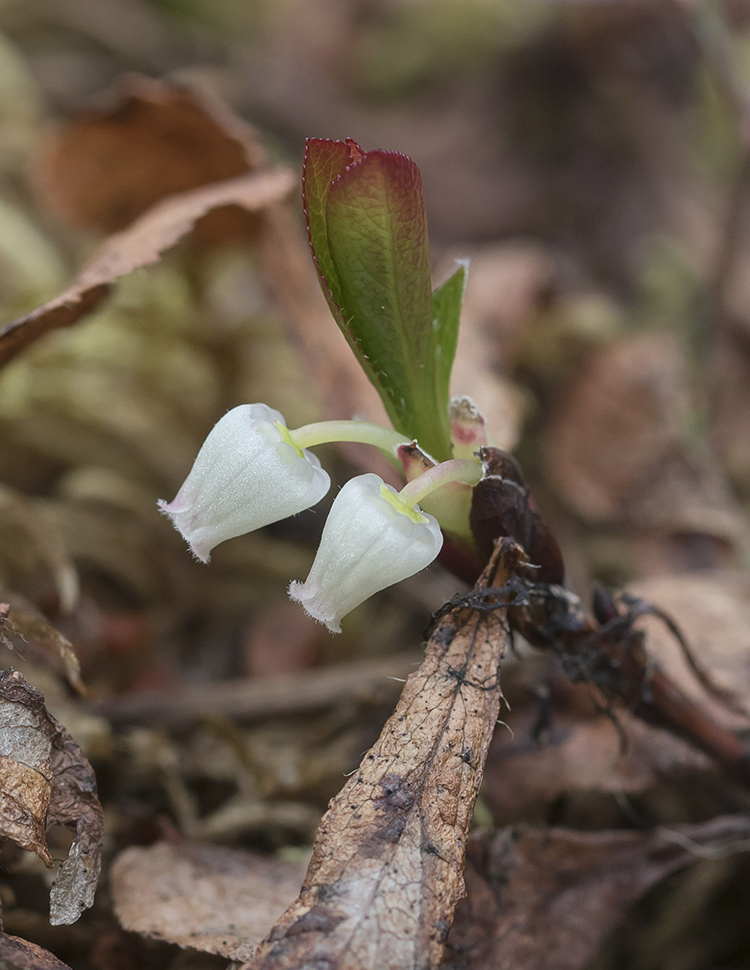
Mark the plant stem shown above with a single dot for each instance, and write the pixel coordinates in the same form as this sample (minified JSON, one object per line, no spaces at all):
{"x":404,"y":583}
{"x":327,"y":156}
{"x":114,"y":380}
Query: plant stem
{"x":325,"y":432}
{"x":456,"y":470}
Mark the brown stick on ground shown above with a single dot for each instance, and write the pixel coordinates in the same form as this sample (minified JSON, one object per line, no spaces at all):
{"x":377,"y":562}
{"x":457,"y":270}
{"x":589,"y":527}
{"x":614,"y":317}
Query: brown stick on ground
{"x":614,"y":659}
{"x":387,"y":866}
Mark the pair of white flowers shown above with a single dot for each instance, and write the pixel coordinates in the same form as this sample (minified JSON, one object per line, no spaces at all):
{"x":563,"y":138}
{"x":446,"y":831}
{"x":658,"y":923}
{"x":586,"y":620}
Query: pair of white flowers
{"x":251,"y":472}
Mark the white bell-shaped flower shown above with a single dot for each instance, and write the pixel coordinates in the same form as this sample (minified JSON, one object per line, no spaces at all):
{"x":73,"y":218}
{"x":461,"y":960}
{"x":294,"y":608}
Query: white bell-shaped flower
{"x":371,"y":540}
{"x":248,"y":474}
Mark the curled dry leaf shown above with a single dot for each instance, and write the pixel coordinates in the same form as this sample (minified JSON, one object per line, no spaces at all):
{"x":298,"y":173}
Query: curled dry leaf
{"x":206,"y":897}
{"x":106,"y":166}
{"x":18,"y":954}
{"x":132,"y":141}
{"x":141,"y":244}
{"x":387,"y":864}
{"x":45,"y":780}
{"x":38,"y":640}
{"x":542,"y":898}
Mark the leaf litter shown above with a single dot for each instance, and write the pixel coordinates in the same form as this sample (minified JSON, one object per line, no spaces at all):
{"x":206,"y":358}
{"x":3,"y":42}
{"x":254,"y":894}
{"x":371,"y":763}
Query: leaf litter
{"x":153,"y":139}
{"x":47,"y":781}
{"x":690,"y":495}
{"x":24,"y":630}
{"x":18,"y":954}
{"x":540,"y":898}
{"x":205,"y":897}
{"x":141,"y":244}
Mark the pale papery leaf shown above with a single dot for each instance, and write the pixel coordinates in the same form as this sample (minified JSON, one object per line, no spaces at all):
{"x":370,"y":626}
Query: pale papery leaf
{"x":207,"y":897}
{"x":387,"y":864}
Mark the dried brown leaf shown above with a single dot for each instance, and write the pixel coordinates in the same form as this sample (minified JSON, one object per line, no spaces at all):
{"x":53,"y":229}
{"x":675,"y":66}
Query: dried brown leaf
{"x":18,"y":954}
{"x":578,"y":752}
{"x":45,"y":780}
{"x":141,"y":244}
{"x":25,"y":769}
{"x":39,"y":642}
{"x":712,"y":611}
{"x":132,"y":142}
{"x":387,"y":864}
{"x":542,"y":898}
{"x":206,"y":897}
{"x":105,"y":167}
{"x":618,"y":451}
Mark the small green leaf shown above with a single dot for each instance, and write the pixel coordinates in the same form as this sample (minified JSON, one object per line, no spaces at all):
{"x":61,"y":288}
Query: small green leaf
{"x":447,"y":300}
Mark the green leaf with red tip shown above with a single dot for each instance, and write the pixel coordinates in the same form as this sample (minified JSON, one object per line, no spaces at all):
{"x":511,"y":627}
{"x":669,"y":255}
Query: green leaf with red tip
{"x":368,"y":232}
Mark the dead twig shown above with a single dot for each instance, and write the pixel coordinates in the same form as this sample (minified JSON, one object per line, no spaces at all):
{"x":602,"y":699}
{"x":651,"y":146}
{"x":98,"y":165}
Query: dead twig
{"x":263,"y":697}
{"x":613,"y":658}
